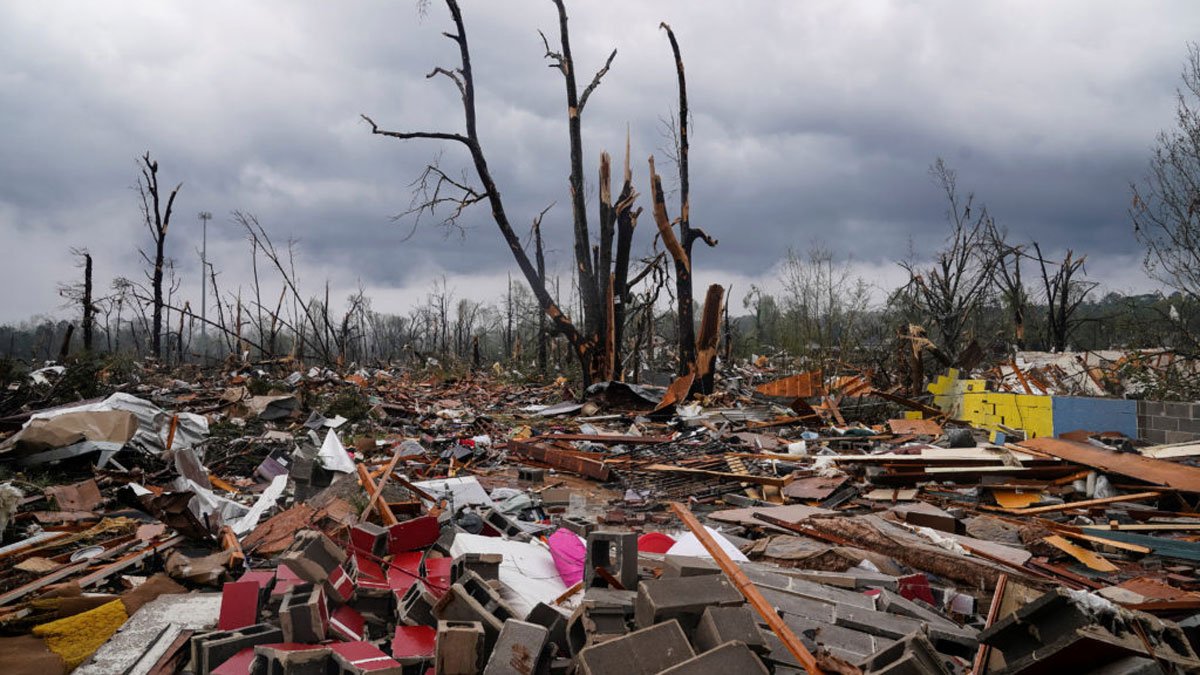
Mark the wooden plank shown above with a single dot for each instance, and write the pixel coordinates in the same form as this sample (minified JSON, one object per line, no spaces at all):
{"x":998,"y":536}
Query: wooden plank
{"x":1179,"y":476}
{"x":803,"y":385}
{"x":1083,"y":555}
{"x":1053,"y":508}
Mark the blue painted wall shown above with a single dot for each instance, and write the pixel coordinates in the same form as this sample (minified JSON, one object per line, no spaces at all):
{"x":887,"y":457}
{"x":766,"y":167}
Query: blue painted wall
{"x":1072,"y":413}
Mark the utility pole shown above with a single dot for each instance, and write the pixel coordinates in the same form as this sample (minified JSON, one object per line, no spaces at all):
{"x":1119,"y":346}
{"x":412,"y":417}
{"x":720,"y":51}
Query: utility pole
{"x":204,"y":216}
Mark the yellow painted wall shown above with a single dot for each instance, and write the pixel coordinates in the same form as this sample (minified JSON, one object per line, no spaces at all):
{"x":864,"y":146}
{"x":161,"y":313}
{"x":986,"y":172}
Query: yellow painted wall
{"x":969,"y":400}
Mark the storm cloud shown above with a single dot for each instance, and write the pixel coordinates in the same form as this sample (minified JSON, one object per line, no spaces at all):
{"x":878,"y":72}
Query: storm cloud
{"x":812,"y":121}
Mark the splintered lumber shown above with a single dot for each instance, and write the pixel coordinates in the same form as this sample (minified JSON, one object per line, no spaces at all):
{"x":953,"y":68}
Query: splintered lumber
{"x":753,"y":596}
{"x":1137,"y":496}
{"x":773,"y":481}
{"x":981,"y":657}
{"x":1178,"y":476}
{"x":385,"y":512}
{"x":803,"y":385}
{"x":387,"y":472}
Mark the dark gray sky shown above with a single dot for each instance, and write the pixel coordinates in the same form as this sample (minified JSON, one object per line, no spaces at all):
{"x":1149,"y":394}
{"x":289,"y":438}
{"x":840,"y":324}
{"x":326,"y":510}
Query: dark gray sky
{"x":812,"y":121}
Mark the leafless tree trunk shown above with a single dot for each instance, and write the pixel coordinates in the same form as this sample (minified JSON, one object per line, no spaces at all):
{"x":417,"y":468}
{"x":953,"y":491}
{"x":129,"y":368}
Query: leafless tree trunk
{"x":681,"y":247}
{"x":949,"y":293}
{"x":1063,"y":297}
{"x":583,"y":343}
{"x":157,"y":221}
{"x":89,"y":310}
{"x":1007,"y":272}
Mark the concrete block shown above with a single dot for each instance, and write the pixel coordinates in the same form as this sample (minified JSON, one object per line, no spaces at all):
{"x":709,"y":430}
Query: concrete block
{"x":892,"y":626}
{"x":1177,"y":410}
{"x":241,"y":663}
{"x":459,"y":648}
{"x":213,"y":649}
{"x":347,"y":624}
{"x":531,"y":474}
{"x":291,"y":658}
{"x":946,"y":635}
{"x":370,"y":538}
{"x":313,"y":556}
{"x":730,"y":657}
{"x":505,"y":525}
{"x":643,"y":652}
{"x":688,"y":566}
{"x":1053,"y":632}
{"x":239,"y":605}
{"x":413,"y":535}
{"x":684,"y":599}
{"x":304,"y":614}
{"x":846,"y":643}
{"x":362,"y":658}
{"x":375,"y":600}
{"x":554,"y":621}
{"x":520,"y":649}
{"x":486,"y":565}
{"x":580,"y":526}
{"x":719,"y":625}
{"x":414,"y":646}
{"x":437,"y":572}
{"x":473,"y":599}
{"x":852,"y":580}
{"x":914,"y":655}
{"x":616,"y":552}
{"x":415,"y":608}
{"x":1151,"y":408}
{"x":557,"y":497}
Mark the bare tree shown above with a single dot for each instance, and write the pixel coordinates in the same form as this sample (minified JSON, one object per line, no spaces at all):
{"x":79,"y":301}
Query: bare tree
{"x":952,"y":289}
{"x":80,"y":293}
{"x":1166,"y":205}
{"x":1064,"y":295}
{"x":592,"y":270}
{"x":157,"y":220}
{"x":1007,"y":277}
{"x":680,"y":247}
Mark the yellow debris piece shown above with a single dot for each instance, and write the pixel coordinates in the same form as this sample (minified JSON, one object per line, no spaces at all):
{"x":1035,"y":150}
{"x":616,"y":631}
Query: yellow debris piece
{"x":76,"y":637}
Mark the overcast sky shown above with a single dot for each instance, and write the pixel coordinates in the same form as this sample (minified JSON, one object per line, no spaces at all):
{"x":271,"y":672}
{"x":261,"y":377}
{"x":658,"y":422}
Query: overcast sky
{"x":812,"y":121}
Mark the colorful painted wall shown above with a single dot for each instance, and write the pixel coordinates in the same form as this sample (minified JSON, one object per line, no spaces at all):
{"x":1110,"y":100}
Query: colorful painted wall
{"x":969,"y":400}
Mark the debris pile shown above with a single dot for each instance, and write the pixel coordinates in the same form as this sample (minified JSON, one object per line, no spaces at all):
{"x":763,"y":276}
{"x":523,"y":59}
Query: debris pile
{"x":372,"y":522}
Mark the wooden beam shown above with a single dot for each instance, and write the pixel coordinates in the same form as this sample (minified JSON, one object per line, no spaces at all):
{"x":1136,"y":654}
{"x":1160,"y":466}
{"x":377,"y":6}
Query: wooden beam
{"x":385,"y":511}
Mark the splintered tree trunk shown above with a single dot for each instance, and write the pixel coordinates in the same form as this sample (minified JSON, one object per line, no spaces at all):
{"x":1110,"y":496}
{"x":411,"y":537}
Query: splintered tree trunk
{"x":709,"y":337}
{"x":683,"y":276}
{"x":681,"y":248}
{"x":89,"y":311}
{"x":65,"y":349}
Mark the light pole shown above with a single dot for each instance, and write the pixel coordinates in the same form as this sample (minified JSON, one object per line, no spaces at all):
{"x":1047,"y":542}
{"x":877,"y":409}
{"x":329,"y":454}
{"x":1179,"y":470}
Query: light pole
{"x":204,"y":216}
